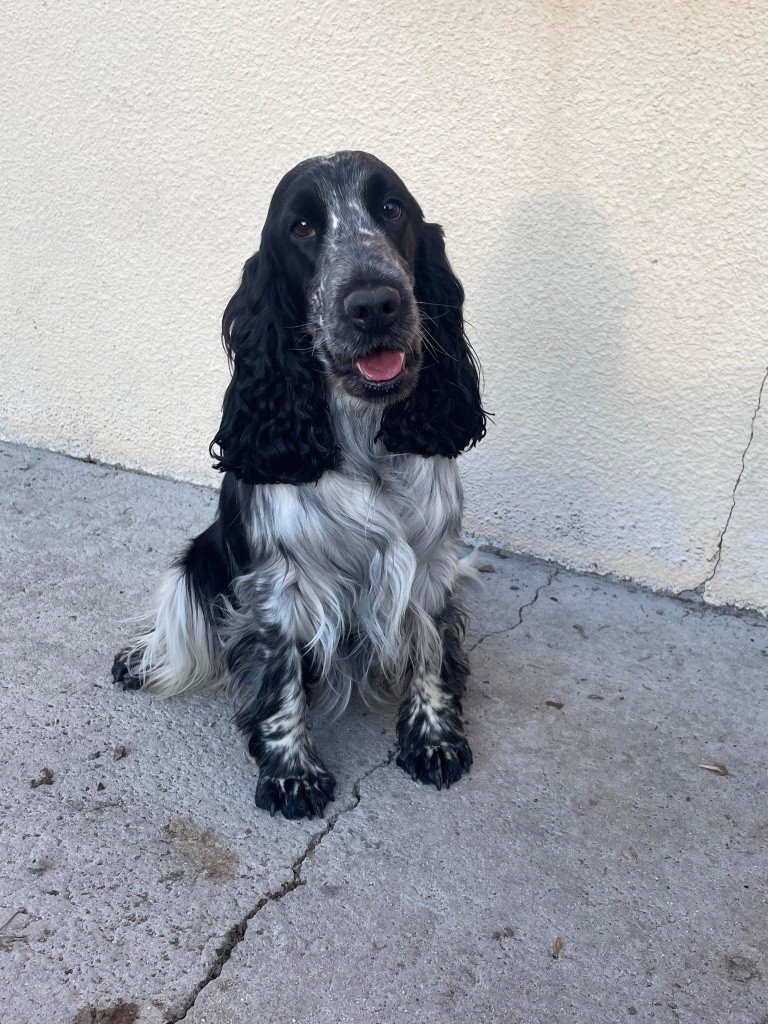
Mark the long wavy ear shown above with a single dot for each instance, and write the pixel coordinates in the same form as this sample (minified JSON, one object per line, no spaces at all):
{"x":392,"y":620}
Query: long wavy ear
{"x":275,"y":424}
{"x":444,"y":414}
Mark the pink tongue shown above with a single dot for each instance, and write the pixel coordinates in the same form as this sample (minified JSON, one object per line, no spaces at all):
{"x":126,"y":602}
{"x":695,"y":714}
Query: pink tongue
{"x":381,"y":365}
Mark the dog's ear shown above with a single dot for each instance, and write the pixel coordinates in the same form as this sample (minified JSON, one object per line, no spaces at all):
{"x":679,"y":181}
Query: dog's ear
{"x":275,"y":425}
{"x":444,"y":414}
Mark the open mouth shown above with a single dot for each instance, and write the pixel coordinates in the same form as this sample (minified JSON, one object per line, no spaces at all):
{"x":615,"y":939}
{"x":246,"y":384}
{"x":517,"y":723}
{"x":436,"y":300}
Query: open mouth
{"x":382,"y":366}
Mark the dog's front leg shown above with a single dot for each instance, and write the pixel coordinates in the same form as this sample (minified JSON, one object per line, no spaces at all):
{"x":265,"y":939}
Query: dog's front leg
{"x":430,"y":731}
{"x":269,"y":688}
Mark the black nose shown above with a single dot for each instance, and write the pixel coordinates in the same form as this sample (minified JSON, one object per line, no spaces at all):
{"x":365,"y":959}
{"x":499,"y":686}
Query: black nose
{"x":372,"y":309}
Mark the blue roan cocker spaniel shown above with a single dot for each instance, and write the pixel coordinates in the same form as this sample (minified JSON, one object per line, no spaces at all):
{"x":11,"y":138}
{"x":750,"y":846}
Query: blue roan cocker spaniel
{"x":333,"y":559}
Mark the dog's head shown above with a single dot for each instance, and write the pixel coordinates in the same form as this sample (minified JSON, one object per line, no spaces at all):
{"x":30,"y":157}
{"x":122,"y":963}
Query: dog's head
{"x":350,"y":290}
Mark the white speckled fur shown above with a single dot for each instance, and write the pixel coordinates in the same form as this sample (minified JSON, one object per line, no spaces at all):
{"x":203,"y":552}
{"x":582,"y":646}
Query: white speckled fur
{"x":177,"y":651}
{"x":353,"y":569}
{"x":368,"y":556}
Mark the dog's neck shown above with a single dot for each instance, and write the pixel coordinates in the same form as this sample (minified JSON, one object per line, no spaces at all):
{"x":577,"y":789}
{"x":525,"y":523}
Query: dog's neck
{"x":356,"y":424}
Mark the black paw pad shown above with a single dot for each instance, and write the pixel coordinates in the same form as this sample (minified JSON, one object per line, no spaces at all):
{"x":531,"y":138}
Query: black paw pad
{"x":295,"y":796}
{"x":122,"y":674}
{"x":438,"y":763}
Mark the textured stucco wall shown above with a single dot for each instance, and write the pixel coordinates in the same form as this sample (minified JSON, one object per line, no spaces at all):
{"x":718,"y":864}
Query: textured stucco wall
{"x":600,"y":168}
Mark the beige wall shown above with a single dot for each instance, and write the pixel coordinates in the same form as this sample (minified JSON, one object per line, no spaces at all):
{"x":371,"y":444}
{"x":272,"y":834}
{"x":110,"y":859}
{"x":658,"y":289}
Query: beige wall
{"x":600,"y":168}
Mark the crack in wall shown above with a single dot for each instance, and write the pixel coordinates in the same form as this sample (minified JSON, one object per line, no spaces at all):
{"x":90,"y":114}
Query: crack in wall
{"x":699,"y":589}
{"x":237,"y":932}
{"x":520,"y":613}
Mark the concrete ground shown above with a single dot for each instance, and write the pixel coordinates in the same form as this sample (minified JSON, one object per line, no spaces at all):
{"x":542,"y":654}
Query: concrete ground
{"x":591,"y":868}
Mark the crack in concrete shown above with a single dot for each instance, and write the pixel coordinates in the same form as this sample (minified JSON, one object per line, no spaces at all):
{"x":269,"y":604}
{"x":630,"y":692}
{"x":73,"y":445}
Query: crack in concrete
{"x":520,"y":613}
{"x":237,"y":932}
{"x":699,"y":589}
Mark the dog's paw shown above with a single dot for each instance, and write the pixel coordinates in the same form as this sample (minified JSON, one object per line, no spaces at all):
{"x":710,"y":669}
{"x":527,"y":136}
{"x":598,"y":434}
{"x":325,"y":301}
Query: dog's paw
{"x":295,"y":796}
{"x":437,"y":764}
{"x":122,"y":674}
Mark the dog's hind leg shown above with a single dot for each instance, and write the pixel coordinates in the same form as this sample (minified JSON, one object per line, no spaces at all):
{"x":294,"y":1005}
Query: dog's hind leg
{"x":178,"y":651}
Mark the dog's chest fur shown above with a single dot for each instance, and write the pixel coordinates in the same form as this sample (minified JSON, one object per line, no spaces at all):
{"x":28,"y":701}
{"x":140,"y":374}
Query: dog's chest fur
{"x":356,"y":561}
{"x":373,"y":505}
{"x":349,"y":523}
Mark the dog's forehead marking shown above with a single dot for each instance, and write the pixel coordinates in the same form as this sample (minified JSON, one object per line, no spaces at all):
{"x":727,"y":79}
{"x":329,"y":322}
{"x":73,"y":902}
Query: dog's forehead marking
{"x":341,"y":185}
{"x":354,"y":243}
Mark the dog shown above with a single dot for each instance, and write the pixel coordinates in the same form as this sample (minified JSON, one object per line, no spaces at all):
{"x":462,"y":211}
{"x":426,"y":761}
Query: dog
{"x":333,"y":560}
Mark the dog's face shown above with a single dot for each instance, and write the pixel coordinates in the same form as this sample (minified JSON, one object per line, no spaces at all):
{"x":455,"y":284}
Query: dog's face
{"x":351,"y":291}
{"x":349,"y":229}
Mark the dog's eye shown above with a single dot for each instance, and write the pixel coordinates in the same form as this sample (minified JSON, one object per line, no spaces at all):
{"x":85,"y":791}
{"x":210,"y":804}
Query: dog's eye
{"x":302,"y":229}
{"x":391,"y":209}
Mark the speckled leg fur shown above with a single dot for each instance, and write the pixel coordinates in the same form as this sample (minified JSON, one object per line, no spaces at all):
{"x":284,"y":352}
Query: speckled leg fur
{"x":430,"y":732}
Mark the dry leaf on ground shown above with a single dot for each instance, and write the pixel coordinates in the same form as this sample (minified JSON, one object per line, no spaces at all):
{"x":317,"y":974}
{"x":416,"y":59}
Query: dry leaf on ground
{"x":718,"y":769}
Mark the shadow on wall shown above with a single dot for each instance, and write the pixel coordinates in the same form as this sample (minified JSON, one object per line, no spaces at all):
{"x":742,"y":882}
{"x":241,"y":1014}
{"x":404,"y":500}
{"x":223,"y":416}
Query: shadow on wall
{"x":574,"y":441}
